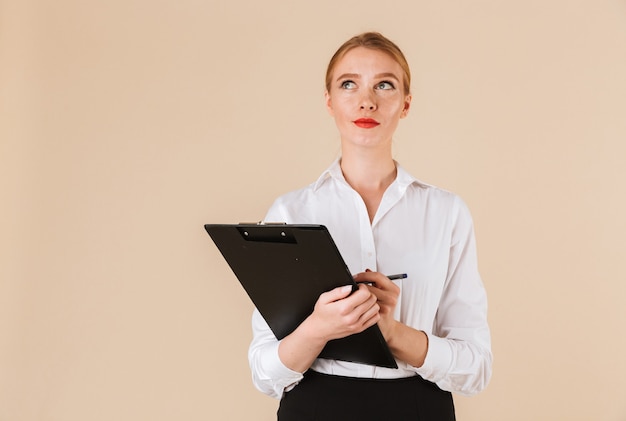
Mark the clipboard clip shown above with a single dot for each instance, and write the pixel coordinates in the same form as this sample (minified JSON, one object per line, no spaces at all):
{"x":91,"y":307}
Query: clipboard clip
{"x":262,"y":223}
{"x":271,"y":232}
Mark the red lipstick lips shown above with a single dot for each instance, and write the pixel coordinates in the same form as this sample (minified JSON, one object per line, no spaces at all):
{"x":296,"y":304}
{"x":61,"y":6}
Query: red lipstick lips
{"x":366,"y":123}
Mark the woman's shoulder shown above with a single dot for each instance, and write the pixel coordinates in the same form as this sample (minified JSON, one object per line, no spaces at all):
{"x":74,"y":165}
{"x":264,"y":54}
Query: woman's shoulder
{"x":290,"y":203}
{"x":315,"y":190}
{"x":436,"y":197}
{"x":405,"y":178}
{"x":439,"y":192}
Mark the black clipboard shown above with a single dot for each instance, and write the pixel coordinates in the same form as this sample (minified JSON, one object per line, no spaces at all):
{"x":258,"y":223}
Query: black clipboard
{"x":283,"y":269}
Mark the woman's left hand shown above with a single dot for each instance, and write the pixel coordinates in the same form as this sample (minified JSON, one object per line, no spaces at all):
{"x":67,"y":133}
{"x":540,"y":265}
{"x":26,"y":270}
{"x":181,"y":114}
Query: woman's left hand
{"x":387,"y":294}
{"x":406,"y":343}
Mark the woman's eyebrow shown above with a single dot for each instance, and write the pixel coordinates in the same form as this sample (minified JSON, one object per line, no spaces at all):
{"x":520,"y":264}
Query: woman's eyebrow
{"x":349,"y":76}
{"x":388,"y":75}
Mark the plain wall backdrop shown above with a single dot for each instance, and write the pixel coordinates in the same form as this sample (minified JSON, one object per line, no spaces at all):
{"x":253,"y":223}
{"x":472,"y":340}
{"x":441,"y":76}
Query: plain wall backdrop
{"x":125,"y":125}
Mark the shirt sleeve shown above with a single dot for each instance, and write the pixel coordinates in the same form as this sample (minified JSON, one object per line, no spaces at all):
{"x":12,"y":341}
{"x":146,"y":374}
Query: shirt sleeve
{"x":269,"y":374}
{"x":459,"y":354}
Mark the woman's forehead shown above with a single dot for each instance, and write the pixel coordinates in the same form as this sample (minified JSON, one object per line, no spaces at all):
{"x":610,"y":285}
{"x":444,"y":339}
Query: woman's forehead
{"x":360,"y":59}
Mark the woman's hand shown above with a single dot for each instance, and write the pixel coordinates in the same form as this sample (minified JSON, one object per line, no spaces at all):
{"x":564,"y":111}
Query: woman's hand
{"x":337,"y":314}
{"x":406,"y":344}
{"x":387,"y":294}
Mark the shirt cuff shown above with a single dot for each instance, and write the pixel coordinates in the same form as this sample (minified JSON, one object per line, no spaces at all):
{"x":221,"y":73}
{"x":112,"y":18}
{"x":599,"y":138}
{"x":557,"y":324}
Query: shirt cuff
{"x":438,"y":359}
{"x":285,"y":377}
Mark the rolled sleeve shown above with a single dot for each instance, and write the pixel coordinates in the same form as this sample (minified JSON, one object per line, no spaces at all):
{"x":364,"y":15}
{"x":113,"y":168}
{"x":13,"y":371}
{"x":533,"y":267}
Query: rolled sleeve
{"x":438,"y":358}
{"x":269,"y":374}
{"x":457,"y":366}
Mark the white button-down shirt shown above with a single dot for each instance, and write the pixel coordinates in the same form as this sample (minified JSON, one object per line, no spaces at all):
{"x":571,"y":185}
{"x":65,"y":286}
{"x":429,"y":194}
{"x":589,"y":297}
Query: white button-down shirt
{"x":420,"y":230}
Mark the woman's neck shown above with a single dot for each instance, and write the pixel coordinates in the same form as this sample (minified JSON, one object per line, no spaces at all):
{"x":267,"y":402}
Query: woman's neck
{"x":368,"y":171}
{"x":369,"y":175}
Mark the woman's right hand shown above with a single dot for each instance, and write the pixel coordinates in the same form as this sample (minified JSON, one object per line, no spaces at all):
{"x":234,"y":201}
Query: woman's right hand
{"x":337,"y":314}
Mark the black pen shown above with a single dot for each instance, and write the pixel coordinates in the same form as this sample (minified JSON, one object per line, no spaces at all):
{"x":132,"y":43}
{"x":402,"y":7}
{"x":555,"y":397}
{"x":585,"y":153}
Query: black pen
{"x":391,"y":277}
{"x":397,"y":276}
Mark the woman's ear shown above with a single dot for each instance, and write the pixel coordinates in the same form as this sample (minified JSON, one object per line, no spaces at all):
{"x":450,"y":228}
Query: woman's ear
{"x":407,"y":105}
{"x":329,"y":104}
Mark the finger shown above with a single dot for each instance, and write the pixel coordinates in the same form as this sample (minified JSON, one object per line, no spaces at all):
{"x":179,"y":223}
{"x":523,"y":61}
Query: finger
{"x":372,"y":315}
{"x":369,"y":319}
{"x":369,"y":305}
{"x":367,"y":277}
{"x":363,"y":316}
{"x":360,"y":300}
{"x":370,"y":277}
{"x":335,"y":294}
{"x":377,"y":292}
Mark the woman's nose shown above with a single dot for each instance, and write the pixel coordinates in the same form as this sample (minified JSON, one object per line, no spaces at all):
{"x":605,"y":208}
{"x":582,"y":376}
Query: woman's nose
{"x":367,"y":102}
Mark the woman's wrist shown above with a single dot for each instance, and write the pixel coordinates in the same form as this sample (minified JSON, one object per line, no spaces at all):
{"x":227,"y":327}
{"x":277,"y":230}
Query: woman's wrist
{"x":300,"y":348}
{"x":408,"y":344}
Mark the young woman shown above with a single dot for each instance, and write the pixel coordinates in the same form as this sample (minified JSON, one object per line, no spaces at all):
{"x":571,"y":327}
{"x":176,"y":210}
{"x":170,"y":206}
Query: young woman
{"x":383,"y":221}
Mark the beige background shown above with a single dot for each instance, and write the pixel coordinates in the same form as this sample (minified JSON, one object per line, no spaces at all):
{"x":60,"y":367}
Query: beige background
{"x":128,"y":124}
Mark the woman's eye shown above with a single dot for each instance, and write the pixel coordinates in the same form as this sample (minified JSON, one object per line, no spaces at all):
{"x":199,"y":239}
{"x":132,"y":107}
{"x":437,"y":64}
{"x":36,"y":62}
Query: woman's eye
{"x":384,"y":85}
{"x":348,"y":84}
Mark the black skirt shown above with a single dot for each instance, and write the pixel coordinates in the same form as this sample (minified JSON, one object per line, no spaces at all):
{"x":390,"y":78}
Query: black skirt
{"x":323,"y":397}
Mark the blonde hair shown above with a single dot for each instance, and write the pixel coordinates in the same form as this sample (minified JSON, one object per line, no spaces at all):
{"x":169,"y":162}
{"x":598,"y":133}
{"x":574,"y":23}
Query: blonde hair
{"x":374,"y":41}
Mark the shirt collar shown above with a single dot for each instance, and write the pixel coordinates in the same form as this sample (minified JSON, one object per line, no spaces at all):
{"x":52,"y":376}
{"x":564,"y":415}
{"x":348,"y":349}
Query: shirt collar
{"x":403,"y":178}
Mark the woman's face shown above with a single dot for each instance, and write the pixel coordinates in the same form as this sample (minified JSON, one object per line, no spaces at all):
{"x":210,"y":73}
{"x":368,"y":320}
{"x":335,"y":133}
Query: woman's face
{"x":367,"y":98}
